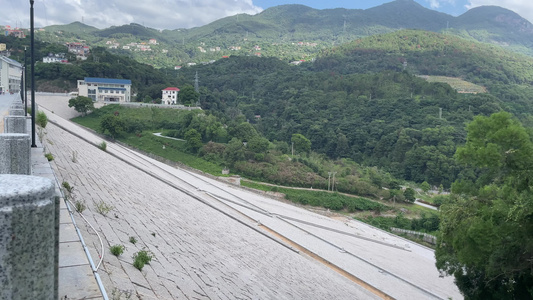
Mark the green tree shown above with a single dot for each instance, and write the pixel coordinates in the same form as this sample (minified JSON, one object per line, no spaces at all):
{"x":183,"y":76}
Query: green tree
{"x":425,"y":186}
{"x":258,"y":144}
{"x":194,"y":140}
{"x":301,"y":143}
{"x":409,"y":195}
{"x":113,"y":125}
{"x":486,"y":238}
{"x":187,"y":95}
{"x":234,"y":151}
{"x":81,"y":104}
{"x":244,"y":131}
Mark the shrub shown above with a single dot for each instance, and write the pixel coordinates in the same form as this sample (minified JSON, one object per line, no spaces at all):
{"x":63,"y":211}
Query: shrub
{"x":103,"y":146}
{"x":49,"y":156}
{"x":103,"y":208}
{"x":67,"y":186}
{"x":80,"y":206}
{"x":141,"y":258}
{"x":41,"y":119}
{"x":133,"y":240}
{"x":117,"y":250}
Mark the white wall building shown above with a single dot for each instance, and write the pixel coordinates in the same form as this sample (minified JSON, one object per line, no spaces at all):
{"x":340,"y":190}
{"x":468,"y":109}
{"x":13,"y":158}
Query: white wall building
{"x":10,"y":75}
{"x":170,"y":95}
{"x":54,"y":58}
{"x":105,"y":89}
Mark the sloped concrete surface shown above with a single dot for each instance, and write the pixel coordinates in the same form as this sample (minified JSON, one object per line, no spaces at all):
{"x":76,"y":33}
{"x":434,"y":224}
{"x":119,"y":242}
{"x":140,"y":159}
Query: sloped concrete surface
{"x":211,"y":240}
{"x":200,"y":253}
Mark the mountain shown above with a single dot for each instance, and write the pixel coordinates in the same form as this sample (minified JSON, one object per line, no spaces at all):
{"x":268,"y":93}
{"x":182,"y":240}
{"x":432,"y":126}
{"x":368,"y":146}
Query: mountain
{"x":75,"y":28}
{"x":496,"y":25}
{"x":298,"y":32}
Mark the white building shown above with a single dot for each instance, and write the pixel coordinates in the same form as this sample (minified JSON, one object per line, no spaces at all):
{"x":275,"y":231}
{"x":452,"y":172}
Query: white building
{"x":170,"y":95}
{"x":10,"y":75}
{"x":105,"y":89}
{"x":54,"y":58}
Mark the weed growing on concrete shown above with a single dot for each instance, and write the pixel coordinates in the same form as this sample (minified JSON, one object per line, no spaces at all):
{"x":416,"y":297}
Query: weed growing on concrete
{"x":41,"y":119}
{"x":49,"y":156}
{"x":116,"y":294}
{"x":103,"y":208}
{"x":67,"y":187}
{"x":142,"y":258}
{"x":117,"y":250}
{"x":103,"y":146}
{"x":133,"y":240}
{"x":153,"y":234}
{"x":80,"y":206}
{"x":138,"y":263}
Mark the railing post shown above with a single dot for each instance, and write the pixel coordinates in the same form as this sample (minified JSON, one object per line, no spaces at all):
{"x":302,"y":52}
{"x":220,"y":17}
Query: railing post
{"x":28,"y":233}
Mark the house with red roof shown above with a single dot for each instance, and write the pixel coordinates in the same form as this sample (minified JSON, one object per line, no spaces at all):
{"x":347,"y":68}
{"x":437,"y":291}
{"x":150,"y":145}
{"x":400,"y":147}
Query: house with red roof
{"x":170,"y":95}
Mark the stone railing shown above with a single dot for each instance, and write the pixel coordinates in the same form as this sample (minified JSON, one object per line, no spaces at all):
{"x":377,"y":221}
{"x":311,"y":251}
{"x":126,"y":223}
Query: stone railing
{"x":29,"y":218}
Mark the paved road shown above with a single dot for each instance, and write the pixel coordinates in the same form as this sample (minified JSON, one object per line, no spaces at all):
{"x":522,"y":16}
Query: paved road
{"x":215,"y":241}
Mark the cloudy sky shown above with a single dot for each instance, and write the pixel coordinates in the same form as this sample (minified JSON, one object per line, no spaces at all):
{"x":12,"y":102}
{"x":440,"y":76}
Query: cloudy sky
{"x":173,"y":14}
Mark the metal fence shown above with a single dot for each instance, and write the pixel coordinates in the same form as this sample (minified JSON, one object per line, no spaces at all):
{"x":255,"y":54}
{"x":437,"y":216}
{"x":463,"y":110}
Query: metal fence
{"x":424,"y":236}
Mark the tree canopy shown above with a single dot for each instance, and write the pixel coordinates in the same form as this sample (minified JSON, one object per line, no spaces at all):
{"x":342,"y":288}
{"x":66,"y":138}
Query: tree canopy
{"x":81,"y":104}
{"x":486,"y":238}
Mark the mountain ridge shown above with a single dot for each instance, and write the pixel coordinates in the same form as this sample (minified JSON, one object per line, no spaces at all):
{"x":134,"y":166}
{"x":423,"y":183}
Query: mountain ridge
{"x":276,"y":30}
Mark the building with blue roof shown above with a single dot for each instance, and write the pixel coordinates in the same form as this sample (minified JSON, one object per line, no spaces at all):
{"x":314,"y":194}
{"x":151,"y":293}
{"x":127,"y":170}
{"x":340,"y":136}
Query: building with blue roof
{"x":10,"y":75}
{"x":105,"y":89}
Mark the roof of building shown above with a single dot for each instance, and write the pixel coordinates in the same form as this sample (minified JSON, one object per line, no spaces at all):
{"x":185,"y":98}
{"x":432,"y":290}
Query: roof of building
{"x":171,"y":89}
{"x":107,"y":80}
{"x":10,"y":61}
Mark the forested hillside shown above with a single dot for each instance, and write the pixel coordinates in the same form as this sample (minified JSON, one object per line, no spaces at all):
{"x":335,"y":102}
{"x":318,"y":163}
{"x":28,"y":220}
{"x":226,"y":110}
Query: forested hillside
{"x":362,"y":100}
{"x":294,"y":32}
{"x":389,"y":119}
{"x":507,"y":75}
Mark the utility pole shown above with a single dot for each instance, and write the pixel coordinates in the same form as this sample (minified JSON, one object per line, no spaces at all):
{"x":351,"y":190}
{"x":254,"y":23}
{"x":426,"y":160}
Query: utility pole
{"x":25,"y":85}
{"x":329,"y":179}
{"x":32,"y":61}
{"x":292,"y":149}
{"x":196,"y":84}
{"x":333,"y":183}
{"x":440,"y":112}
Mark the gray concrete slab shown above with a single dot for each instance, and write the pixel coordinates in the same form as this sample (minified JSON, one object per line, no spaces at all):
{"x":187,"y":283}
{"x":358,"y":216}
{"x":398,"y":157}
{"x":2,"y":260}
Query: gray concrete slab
{"x":67,"y":233}
{"x":70,"y":254}
{"x":73,"y":283}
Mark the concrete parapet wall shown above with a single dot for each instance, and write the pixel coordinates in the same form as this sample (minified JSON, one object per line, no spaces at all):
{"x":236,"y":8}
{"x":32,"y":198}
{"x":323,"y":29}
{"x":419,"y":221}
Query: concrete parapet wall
{"x":15,"y":124}
{"x":16,"y":112}
{"x":15,"y":153}
{"x":28,"y":234}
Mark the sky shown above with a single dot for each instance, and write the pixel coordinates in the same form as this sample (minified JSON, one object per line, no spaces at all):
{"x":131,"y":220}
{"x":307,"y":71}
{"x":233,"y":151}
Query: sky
{"x":174,"y":14}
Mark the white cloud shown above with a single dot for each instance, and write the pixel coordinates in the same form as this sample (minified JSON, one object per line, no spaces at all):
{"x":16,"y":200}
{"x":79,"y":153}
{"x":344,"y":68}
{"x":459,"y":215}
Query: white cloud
{"x":522,"y":7}
{"x":160,"y":14}
{"x":434,"y":4}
